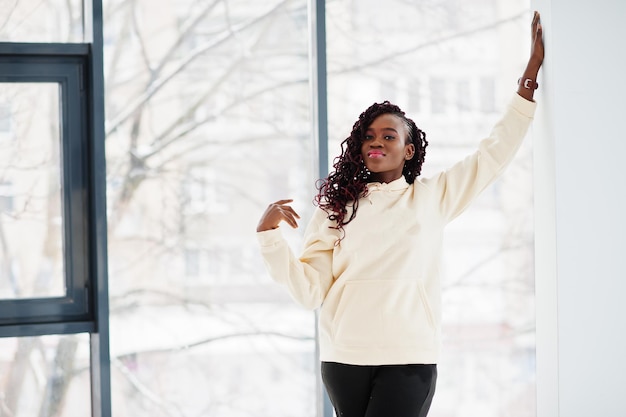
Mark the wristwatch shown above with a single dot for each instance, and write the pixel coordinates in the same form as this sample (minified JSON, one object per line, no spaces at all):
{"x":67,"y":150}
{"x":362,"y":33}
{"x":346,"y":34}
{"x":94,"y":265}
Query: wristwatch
{"x":528,"y":83}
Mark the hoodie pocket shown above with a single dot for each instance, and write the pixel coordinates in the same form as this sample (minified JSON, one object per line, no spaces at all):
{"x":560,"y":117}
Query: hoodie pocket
{"x":384,"y":313}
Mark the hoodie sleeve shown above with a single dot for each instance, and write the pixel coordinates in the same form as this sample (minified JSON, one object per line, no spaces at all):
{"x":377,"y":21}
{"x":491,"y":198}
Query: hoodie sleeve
{"x":309,"y":277}
{"x":458,"y":186}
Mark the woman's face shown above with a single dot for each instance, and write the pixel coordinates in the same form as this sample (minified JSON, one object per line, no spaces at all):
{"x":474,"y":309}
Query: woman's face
{"x":385,"y":148}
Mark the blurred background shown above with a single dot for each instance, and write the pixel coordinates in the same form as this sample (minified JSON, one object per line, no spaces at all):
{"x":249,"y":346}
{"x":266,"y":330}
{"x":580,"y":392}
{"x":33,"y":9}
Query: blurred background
{"x":209,"y":119}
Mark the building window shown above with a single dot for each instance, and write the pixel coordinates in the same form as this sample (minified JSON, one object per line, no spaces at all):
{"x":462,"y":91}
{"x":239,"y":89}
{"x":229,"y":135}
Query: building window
{"x":463,"y":96}
{"x":438,"y":96}
{"x":6,"y":197}
{"x":5,"y":118}
{"x":487,"y":95}
{"x":415,"y":97}
{"x":192,"y":262}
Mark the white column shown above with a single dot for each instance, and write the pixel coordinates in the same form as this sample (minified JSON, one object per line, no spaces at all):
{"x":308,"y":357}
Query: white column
{"x":580,"y":198}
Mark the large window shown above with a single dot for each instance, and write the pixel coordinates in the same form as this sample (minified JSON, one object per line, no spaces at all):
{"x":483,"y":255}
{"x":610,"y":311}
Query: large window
{"x":53,"y":298}
{"x":45,"y":258}
{"x":208,"y":120}
{"x":452,"y":66}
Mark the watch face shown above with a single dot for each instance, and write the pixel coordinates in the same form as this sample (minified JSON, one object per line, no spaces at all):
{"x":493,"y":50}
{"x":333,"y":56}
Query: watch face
{"x":528,"y":83}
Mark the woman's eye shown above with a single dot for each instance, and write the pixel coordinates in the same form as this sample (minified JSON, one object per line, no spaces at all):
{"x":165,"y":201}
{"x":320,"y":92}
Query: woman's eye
{"x":369,"y":137}
{"x":389,"y":137}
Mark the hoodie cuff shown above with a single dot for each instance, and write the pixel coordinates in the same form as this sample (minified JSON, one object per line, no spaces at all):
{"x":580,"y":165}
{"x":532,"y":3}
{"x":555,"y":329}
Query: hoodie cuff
{"x":268,"y":238}
{"x":523,"y":106}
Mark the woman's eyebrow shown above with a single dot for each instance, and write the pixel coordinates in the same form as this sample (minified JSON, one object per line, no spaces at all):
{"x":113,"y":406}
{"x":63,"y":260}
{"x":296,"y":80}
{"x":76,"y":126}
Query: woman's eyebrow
{"x":384,"y":128}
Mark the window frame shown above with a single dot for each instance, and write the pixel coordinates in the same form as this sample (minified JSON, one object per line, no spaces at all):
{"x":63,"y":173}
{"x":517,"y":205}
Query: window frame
{"x":68,"y":72}
{"x":85,"y":308}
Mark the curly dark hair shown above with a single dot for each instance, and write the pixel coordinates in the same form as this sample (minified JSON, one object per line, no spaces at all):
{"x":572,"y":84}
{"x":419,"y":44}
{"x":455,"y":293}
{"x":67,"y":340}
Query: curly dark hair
{"x":347,"y":182}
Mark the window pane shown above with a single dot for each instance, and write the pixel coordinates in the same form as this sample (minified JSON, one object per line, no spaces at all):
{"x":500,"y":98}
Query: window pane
{"x":31,"y":233}
{"x":208,"y":122}
{"x":458,"y":62}
{"x":41,"y":21}
{"x":45,"y":376}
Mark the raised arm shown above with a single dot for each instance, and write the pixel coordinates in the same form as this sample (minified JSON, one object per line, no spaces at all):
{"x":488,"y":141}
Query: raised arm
{"x":528,"y":81}
{"x":460,"y":184}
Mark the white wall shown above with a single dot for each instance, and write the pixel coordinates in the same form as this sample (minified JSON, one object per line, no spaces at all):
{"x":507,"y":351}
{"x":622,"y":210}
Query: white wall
{"x":580,"y":181}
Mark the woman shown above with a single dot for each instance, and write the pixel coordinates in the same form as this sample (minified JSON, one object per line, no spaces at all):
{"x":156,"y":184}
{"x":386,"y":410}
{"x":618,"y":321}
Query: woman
{"x":372,"y":252}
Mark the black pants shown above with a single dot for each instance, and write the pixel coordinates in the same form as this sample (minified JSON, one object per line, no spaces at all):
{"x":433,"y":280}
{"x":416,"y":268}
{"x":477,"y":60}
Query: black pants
{"x":380,"y":391}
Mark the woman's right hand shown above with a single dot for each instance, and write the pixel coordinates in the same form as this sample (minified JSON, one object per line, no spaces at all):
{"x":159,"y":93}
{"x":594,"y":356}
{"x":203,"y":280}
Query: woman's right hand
{"x":279,"y":211}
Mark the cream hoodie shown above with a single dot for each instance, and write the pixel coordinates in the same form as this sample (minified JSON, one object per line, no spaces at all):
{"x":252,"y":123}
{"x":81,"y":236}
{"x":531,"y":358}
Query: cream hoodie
{"x":380,"y":288}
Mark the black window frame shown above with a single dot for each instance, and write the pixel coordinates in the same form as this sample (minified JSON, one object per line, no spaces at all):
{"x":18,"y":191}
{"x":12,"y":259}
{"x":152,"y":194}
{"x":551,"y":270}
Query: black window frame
{"x":78,"y":70}
{"x":27,"y":63}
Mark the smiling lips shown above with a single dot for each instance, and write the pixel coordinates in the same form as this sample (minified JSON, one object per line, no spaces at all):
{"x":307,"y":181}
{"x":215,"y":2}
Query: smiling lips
{"x":375,"y":154}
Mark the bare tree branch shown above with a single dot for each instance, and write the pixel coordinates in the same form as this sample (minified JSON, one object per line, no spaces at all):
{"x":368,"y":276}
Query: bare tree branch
{"x":9,"y":12}
{"x":155,"y":86}
{"x":218,"y":338}
{"x":142,"y":43}
{"x":117,"y":306}
{"x":190,"y":128}
{"x":167,"y":407}
{"x":184,"y":34}
{"x":438,"y":41}
{"x":481,"y":263}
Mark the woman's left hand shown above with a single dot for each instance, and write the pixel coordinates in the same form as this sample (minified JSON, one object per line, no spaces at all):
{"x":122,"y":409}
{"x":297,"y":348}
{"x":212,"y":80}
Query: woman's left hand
{"x":528,"y":81}
{"x":536,"y":50}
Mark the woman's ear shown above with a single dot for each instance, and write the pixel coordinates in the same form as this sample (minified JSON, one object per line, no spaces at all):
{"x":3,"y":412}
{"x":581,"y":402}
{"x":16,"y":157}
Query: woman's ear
{"x":409,"y":151}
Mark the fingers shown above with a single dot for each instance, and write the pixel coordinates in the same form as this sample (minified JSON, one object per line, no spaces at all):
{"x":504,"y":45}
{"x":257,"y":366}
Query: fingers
{"x":281,"y":202}
{"x":538,"y":28}
{"x":286,"y":213}
{"x":536,"y":24}
{"x":277,"y":212}
{"x":282,"y":205}
{"x":537,"y":38}
{"x":536,"y":18}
